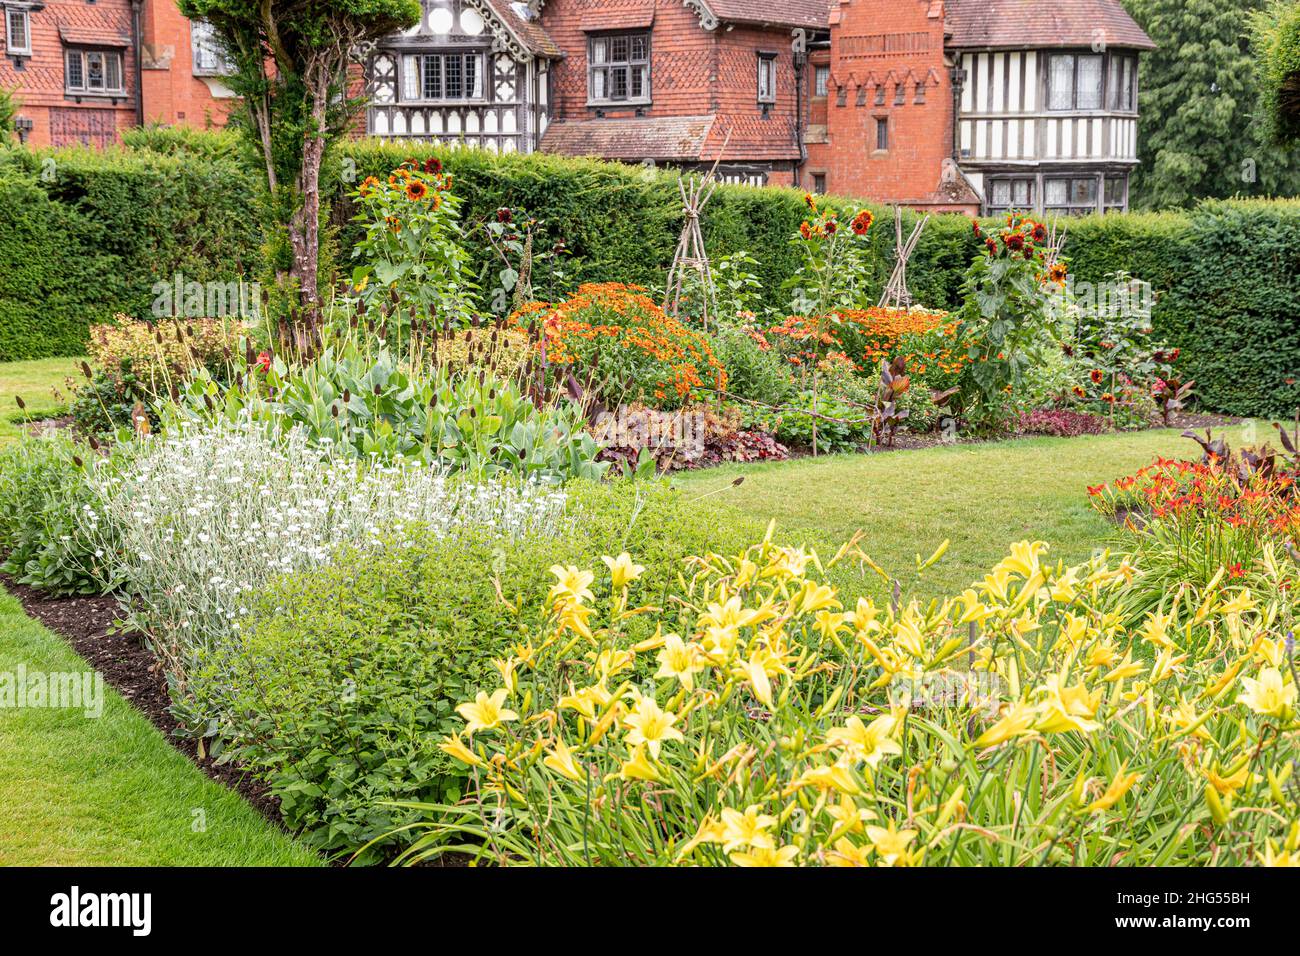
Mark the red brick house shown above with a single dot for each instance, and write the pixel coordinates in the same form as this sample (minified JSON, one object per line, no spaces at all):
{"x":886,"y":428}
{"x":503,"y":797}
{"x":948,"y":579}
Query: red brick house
{"x":977,"y":105}
{"x":83,"y":70}
{"x":946,"y":105}
{"x":683,"y":83}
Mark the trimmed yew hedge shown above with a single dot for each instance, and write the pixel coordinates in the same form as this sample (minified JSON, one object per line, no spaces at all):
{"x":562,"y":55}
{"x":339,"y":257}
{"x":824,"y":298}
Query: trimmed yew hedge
{"x":93,"y":242}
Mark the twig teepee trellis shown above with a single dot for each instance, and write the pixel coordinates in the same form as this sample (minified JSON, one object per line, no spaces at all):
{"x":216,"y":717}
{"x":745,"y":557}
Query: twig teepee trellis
{"x":896,"y":293}
{"x":691,"y":254}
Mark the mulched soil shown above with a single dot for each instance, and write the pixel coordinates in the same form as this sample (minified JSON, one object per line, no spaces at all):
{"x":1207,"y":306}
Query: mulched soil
{"x":133,"y":671}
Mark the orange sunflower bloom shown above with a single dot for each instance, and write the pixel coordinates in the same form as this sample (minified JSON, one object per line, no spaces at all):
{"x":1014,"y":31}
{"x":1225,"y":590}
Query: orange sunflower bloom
{"x":416,"y":190}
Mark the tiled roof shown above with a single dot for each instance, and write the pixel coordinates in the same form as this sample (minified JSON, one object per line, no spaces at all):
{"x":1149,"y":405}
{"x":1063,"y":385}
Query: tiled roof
{"x":530,"y":33}
{"x":978,"y":24}
{"x":659,"y":138}
{"x":786,"y":13}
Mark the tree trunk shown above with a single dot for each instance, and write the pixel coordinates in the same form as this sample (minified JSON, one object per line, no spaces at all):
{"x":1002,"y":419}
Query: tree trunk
{"x":304,"y":226}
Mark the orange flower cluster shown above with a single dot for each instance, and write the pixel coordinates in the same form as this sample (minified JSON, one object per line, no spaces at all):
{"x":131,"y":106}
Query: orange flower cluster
{"x":621,"y":334}
{"x":870,"y":335}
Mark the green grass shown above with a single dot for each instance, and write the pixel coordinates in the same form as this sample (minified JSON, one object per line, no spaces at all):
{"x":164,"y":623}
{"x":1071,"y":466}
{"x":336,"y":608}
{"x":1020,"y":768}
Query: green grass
{"x":43,"y":385}
{"x":111,"y":791}
{"x":981,"y":497}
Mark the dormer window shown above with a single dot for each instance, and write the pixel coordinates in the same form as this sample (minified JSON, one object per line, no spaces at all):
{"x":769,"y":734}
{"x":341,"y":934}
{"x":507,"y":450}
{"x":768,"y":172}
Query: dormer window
{"x":18,"y":31}
{"x":618,"y":68}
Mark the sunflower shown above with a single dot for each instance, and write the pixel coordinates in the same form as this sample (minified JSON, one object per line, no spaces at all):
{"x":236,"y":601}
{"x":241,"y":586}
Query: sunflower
{"x":1039,"y":233}
{"x":433,"y":166}
{"x":1096,"y":376}
{"x":368,"y":184}
{"x":1078,"y":391}
{"x":862,"y":222}
{"x":805,"y":229}
{"x":416,"y":190}
{"x":1059,"y":271}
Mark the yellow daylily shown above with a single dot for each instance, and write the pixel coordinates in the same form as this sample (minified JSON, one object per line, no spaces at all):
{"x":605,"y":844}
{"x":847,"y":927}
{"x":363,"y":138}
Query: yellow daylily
{"x":650,"y":726}
{"x":891,"y":844}
{"x":560,"y":759}
{"x":1120,"y":785}
{"x":1016,"y":721}
{"x":1269,"y":695}
{"x":486,"y":712}
{"x":766,"y":856}
{"x":846,"y":853}
{"x":572,"y":585}
{"x":456,"y":747}
{"x":680,"y":661}
{"x":746,"y":829}
{"x":865,"y":744}
{"x":622,"y":570}
{"x":1068,"y":708}
{"x":639,"y":767}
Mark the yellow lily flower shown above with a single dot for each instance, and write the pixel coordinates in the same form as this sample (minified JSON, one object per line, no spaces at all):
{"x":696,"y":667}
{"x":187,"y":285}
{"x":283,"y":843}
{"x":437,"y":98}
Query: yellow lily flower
{"x":456,"y":747}
{"x":865,"y":743}
{"x":486,"y":712}
{"x":638,"y":767}
{"x":680,"y":661}
{"x":766,"y":856}
{"x":1268,"y":695}
{"x":1068,"y":708}
{"x":622,"y":570}
{"x":1119,"y":786}
{"x":847,"y":854}
{"x":560,"y":759}
{"x":746,"y":829}
{"x":1016,"y":721}
{"x":572,"y":585}
{"x":650,"y":726}
{"x":891,"y":844}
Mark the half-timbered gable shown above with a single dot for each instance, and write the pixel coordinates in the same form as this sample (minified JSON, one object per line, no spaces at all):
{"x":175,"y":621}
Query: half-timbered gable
{"x":471,"y":71}
{"x":1048,"y":106}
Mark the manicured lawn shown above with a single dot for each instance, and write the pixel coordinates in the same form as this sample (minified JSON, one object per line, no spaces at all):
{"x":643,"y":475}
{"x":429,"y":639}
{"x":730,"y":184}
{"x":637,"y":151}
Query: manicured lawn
{"x":111,"y":790}
{"x":43,"y":385}
{"x":981,"y":497}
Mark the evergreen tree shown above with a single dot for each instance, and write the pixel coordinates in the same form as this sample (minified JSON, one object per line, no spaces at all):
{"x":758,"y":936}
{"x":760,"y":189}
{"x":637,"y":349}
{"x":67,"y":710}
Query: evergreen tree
{"x":1200,"y":134}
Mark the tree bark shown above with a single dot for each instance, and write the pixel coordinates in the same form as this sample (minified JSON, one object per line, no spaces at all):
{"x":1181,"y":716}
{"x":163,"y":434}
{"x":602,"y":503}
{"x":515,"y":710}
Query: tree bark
{"x":304,"y":227}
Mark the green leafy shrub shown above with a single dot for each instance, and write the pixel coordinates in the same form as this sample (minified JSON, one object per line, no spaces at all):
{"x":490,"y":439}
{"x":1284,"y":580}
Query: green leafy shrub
{"x":373,"y":402}
{"x":49,"y":532}
{"x":345,"y":678}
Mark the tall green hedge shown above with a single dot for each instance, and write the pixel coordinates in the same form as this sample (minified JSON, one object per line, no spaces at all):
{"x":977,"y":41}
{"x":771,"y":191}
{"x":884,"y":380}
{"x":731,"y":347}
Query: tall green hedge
{"x":85,"y":234}
{"x":94,"y":240}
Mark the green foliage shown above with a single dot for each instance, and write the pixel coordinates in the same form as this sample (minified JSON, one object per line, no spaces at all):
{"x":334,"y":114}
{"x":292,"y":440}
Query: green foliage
{"x":371,"y":403}
{"x":347,"y":677}
{"x":86,"y":234}
{"x":1276,"y":39}
{"x":1198,"y":132}
{"x":8,"y":109}
{"x":43,"y":497}
{"x":753,"y":372}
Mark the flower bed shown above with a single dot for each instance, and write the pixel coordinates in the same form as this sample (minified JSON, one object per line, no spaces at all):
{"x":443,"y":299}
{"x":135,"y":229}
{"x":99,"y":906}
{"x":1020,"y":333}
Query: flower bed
{"x":767,"y":724}
{"x":618,"y":339}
